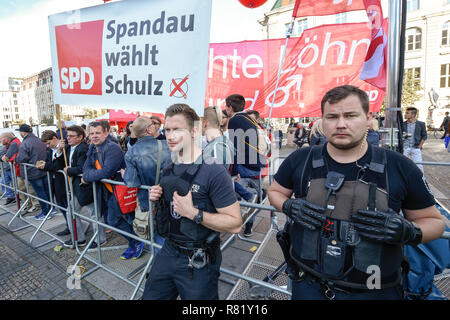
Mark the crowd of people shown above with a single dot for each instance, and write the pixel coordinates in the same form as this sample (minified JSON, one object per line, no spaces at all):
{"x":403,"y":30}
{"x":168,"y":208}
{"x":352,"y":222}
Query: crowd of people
{"x":335,"y":182}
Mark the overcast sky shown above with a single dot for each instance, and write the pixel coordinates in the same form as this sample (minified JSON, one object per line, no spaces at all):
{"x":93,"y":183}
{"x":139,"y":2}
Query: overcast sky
{"x":25,"y":37}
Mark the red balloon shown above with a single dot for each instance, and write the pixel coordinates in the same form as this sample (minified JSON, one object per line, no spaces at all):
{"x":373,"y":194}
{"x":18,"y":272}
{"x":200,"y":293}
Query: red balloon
{"x":252,"y":3}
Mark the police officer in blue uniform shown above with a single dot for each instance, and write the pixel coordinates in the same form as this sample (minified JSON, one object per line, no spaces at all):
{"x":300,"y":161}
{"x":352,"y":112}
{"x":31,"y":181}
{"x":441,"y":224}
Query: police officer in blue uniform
{"x":354,"y":208}
{"x":194,"y":202}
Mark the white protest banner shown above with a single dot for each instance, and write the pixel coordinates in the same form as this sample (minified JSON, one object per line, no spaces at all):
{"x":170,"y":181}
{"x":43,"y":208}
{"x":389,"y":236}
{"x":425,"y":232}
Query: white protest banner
{"x":134,"y":54}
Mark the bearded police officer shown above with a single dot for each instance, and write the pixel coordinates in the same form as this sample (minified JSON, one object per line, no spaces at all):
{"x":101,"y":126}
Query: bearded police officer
{"x":345,"y":235}
{"x":195,"y":201}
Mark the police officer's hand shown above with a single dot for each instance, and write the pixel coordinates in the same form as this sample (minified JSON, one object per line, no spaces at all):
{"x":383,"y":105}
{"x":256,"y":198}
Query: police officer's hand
{"x":156,"y":193}
{"x":184,"y":205}
{"x":305,"y":213}
{"x":388,"y":227}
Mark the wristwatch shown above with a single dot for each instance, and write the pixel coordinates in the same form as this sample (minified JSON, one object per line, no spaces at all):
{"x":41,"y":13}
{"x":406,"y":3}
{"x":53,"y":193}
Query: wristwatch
{"x":199,"y":217}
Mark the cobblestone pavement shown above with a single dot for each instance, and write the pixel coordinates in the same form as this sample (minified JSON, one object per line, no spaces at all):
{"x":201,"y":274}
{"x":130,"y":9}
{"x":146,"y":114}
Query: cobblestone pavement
{"x":27,"y":274}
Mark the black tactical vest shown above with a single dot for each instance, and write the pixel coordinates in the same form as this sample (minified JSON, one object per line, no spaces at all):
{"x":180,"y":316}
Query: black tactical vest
{"x":171,"y":225}
{"x":335,"y":251}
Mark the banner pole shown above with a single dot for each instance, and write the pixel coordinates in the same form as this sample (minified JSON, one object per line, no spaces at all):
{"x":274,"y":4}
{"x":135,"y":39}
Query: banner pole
{"x":58,"y":114}
{"x":392,"y":81}
{"x":279,"y":70}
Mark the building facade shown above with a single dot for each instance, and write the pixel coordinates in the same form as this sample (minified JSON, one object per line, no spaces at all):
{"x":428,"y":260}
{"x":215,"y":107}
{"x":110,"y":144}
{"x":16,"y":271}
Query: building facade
{"x":427,"y":54}
{"x":28,"y":109}
{"x":8,"y":108}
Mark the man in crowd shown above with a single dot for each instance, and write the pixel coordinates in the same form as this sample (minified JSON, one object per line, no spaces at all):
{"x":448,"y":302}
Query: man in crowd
{"x":141,"y":162}
{"x":416,"y":135}
{"x":58,"y":184}
{"x":31,"y":150}
{"x":104,"y":159}
{"x":444,"y":124}
{"x":156,"y":122}
{"x":345,"y":218}
{"x":11,"y":143}
{"x":195,"y":202}
{"x":244,"y":135}
{"x":76,"y":153}
{"x":300,"y":135}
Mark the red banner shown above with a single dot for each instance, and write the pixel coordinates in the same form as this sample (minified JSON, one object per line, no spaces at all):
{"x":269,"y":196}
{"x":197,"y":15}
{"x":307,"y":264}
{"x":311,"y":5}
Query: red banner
{"x":305,"y":8}
{"x":321,"y":59}
{"x":116,"y":115}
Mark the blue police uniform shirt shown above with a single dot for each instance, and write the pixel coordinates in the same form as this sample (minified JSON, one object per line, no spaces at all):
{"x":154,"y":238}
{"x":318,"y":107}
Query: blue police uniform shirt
{"x":408,"y":188}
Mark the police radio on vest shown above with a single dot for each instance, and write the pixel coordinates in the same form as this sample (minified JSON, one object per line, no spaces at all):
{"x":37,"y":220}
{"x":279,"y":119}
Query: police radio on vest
{"x":71,"y":75}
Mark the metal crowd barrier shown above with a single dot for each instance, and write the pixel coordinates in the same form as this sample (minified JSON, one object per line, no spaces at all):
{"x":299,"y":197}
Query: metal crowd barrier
{"x":21,"y":206}
{"x":96,"y":236}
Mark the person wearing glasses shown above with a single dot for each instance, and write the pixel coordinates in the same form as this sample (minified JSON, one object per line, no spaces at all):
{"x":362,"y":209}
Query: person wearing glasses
{"x":156,"y":123}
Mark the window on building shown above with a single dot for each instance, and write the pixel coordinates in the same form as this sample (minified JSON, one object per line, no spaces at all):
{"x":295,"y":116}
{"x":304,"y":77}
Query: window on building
{"x":445,"y":75}
{"x":413,"y":39}
{"x":302,"y":25}
{"x":414,"y":74}
{"x":446,"y":32}
{"x":412,"y":5}
{"x":341,"y":17}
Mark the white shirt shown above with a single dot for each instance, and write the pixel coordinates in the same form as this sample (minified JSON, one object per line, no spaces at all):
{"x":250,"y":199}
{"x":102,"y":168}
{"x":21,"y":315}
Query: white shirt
{"x":72,"y":149}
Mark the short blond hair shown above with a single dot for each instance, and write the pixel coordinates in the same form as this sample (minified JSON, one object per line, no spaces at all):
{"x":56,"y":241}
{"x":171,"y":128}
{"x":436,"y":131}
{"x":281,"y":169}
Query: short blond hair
{"x":213,"y":117}
{"x":317,"y":127}
{"x":374,"y":124}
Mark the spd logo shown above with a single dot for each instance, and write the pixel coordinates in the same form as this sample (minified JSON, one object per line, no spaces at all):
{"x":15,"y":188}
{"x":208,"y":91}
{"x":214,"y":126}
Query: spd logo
{"x":80,"y":76}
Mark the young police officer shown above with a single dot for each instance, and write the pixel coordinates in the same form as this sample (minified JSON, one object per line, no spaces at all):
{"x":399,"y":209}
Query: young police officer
{"x":195,"y":201}
{"x":345,"y":230}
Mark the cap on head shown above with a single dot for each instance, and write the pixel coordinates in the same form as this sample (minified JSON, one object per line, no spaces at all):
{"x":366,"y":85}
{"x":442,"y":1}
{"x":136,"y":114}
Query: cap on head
{"x":25,"y":128}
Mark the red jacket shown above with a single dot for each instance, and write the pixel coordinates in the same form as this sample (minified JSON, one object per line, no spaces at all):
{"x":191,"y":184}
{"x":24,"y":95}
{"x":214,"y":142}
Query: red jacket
{"x":15,"y":140}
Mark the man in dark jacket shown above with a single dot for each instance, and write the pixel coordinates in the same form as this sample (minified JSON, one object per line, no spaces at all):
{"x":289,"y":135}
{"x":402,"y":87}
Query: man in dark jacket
{"x":416,"y":135}
{"x":58,"y":184}
{"x":76,"y":153}
{"x":444,"y":124}
{"x":104,"y":159}
{"x":31,"y":150}
{"x":300,"y":135}
{"x":243,"y":132}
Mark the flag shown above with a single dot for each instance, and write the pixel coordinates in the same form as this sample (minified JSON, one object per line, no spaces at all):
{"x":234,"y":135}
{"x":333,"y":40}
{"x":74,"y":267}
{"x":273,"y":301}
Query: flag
{"x":304,"y":8}
{"x":374,"y":67}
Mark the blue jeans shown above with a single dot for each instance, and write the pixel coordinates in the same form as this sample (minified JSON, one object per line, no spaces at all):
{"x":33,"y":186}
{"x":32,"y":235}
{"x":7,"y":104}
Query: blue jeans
{"x":117,"y":219}
{"x":170,"y":276}
{"x":6,"y":180}
{"x":241,"y":191}
{"x":249,"y":182}
{"x":40,"y":186}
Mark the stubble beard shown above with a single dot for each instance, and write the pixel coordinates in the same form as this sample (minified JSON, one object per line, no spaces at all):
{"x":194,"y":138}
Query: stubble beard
{"x":349,"y":145}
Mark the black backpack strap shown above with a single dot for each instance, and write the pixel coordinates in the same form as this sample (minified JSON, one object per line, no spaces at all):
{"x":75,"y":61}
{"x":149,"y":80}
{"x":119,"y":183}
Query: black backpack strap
{"x":317,"y":160}
{"x":378,"y":161}
{"x":317,"y":156}
{"x":168,"y":167}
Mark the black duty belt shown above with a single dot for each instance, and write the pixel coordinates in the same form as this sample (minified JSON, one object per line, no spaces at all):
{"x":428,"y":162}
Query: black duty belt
{"x":186,"y":250}
{"x":344,"y":285}
{"x":198,"y":256}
